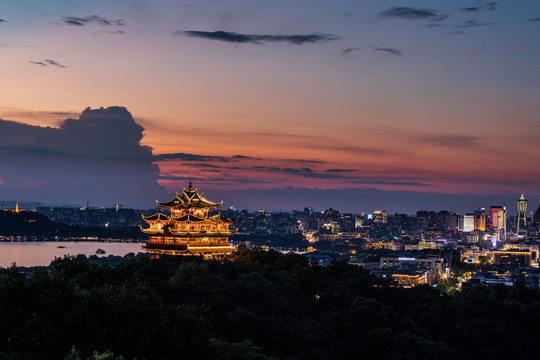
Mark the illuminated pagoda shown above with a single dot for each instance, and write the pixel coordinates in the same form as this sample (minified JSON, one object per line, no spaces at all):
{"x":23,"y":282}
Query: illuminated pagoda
{"x":188,"y":230}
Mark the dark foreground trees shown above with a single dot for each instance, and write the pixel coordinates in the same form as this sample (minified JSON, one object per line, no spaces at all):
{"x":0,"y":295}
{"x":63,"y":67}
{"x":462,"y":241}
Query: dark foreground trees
{"x":256,"y":305}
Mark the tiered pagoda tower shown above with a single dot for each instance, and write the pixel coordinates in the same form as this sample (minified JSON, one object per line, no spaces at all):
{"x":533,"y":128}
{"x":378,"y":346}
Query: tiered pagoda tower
{"x":188,"y":230}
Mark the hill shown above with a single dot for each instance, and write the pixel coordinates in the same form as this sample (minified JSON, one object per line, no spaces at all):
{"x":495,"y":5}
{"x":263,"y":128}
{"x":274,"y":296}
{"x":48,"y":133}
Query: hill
{"x":27,"y":223}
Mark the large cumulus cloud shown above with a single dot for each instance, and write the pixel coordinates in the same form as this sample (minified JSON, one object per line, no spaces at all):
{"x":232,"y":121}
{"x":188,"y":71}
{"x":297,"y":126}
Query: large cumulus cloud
{"x":97,"y":157}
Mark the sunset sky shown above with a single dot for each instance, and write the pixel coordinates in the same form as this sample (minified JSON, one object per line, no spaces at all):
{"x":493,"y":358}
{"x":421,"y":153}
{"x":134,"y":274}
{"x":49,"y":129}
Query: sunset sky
{"x":356,"y":105}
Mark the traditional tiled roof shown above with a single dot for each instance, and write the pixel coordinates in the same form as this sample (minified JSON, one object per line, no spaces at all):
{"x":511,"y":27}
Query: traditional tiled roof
{"x":189,"y":218}
{"x":157,"y":217}
{"x":189,"y":199}
{"x":221,"y":218}
{"x":151,"y":231}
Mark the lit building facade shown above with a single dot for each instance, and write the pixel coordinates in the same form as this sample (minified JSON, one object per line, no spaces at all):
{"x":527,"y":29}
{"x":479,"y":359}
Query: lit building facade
{"x":497,"y":215}
{"x":380,"y":217}
{"x":479,"y":219}
{"x":522,"y":214}
{"x":467,"y":223}
{"x":188,"y":230}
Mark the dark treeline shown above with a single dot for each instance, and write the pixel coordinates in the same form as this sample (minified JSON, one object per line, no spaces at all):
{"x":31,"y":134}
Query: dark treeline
{"x":34,"y":224}
{"x":254,"y":305}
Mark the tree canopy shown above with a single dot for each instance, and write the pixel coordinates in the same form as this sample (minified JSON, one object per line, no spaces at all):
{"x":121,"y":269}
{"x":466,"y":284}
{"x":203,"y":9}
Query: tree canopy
{"x":254,"y":305}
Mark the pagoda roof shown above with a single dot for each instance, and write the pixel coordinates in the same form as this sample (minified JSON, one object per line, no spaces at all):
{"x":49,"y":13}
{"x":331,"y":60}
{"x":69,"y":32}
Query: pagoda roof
{"x":189,"y":218}
{"x":150,"y":231}
{"x":189,"y":199}
{"x":156,"y":217}
{"x":221,"y":218}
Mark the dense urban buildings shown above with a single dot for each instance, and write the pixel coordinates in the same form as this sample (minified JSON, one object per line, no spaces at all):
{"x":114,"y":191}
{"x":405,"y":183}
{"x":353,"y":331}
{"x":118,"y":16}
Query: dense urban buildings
{"x":411,"y":249}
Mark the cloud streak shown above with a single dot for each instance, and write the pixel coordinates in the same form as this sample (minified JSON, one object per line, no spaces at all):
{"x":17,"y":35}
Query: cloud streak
{"x":490,"y":6}
{"x":471,"y":23}
{"x":395,"y":52}
{"x":92,"y":19}
{"x":382,"y":182}
{"x":409,"y":13}
{"x":190,"y":157}
{"x":233,"y":37}
{"x":47,"y":62}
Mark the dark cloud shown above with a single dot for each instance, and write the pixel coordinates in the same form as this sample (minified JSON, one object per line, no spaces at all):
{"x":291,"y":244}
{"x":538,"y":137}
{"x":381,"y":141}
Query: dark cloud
{"x":190,"y":157}
{"x":195,"y":157}
{"x":47,"y":62}
{"x":471,"y":23}
{"x":97,"y":156}
{"x":303,"y":172}
{"x":409,"y":13}
{"x":257,"y":39}
{"x":54,"y":63}
{"x":40,"y":63}
{"x":433,"y":25}
{"x":534,"y":19}
{"x":390,"y":51}
{"x":340,"y":170}
{"x":31,"y":150}
{"x":244,"y":157}
{"x":57,"y":113}
{"x":207,"y":165}
{"x":490,"y":6}
{"x":214,"y":181}
{"x":349,"y":50}
{"x":382,"y":182}
{"x":304,"y":161}
{"x":2,"y":20}
{"x":92,"y":19}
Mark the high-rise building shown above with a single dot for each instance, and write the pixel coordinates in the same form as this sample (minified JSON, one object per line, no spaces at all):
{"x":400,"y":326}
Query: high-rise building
{"x":536,"y":218}
{"x":380,"y":217}
{"x":479,"y":219}
{"x":497,"y":216}
{"x":522,"y":214}
{"x":348,"y":222}
{"x":359,"y":221}
{"x":466,"y":223}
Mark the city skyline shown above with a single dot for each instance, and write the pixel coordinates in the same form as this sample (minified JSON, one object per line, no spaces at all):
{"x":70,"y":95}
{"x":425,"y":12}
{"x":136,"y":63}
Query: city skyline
{"x":392,"y":105}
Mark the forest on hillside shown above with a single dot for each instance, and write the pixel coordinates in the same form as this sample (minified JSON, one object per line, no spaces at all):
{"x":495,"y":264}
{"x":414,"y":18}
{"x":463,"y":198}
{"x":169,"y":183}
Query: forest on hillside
{"x":254,"y":305}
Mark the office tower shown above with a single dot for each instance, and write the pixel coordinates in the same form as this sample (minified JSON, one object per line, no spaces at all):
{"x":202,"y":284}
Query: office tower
{"x":497,"y":215}
{"x":466,"y":223}
{"x":479,"y":219}
{"x":380,"y":217}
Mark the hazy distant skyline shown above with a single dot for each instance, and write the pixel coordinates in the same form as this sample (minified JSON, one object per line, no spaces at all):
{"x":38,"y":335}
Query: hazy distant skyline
{"x":271,"y":104}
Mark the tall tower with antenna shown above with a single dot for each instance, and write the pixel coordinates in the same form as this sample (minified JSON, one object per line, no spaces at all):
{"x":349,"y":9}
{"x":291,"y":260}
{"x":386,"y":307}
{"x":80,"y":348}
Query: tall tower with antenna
{"x":522,"y":213}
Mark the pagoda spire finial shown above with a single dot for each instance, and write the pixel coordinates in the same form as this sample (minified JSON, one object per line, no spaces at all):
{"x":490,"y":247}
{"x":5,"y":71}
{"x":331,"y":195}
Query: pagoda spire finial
{"x":190,"y":187}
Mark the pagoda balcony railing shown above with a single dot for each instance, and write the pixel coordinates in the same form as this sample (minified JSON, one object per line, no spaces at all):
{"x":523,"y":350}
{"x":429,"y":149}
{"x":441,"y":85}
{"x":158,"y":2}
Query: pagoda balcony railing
{"x":165,"y":246}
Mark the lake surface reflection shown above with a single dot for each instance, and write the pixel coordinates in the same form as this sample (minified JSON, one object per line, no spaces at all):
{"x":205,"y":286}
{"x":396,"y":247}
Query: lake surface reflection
{"x":42,"y":253}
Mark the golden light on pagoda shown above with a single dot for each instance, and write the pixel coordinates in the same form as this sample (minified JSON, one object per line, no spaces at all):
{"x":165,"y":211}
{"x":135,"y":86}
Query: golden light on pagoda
{"x":189,"y":230}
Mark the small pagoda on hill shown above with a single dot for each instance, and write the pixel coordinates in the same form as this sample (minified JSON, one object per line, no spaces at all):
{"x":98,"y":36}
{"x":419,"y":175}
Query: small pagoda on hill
{"x":188,"y":230}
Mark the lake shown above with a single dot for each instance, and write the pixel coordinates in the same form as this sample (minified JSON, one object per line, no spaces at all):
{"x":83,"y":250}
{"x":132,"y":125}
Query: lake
{"x":42,"y":253}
